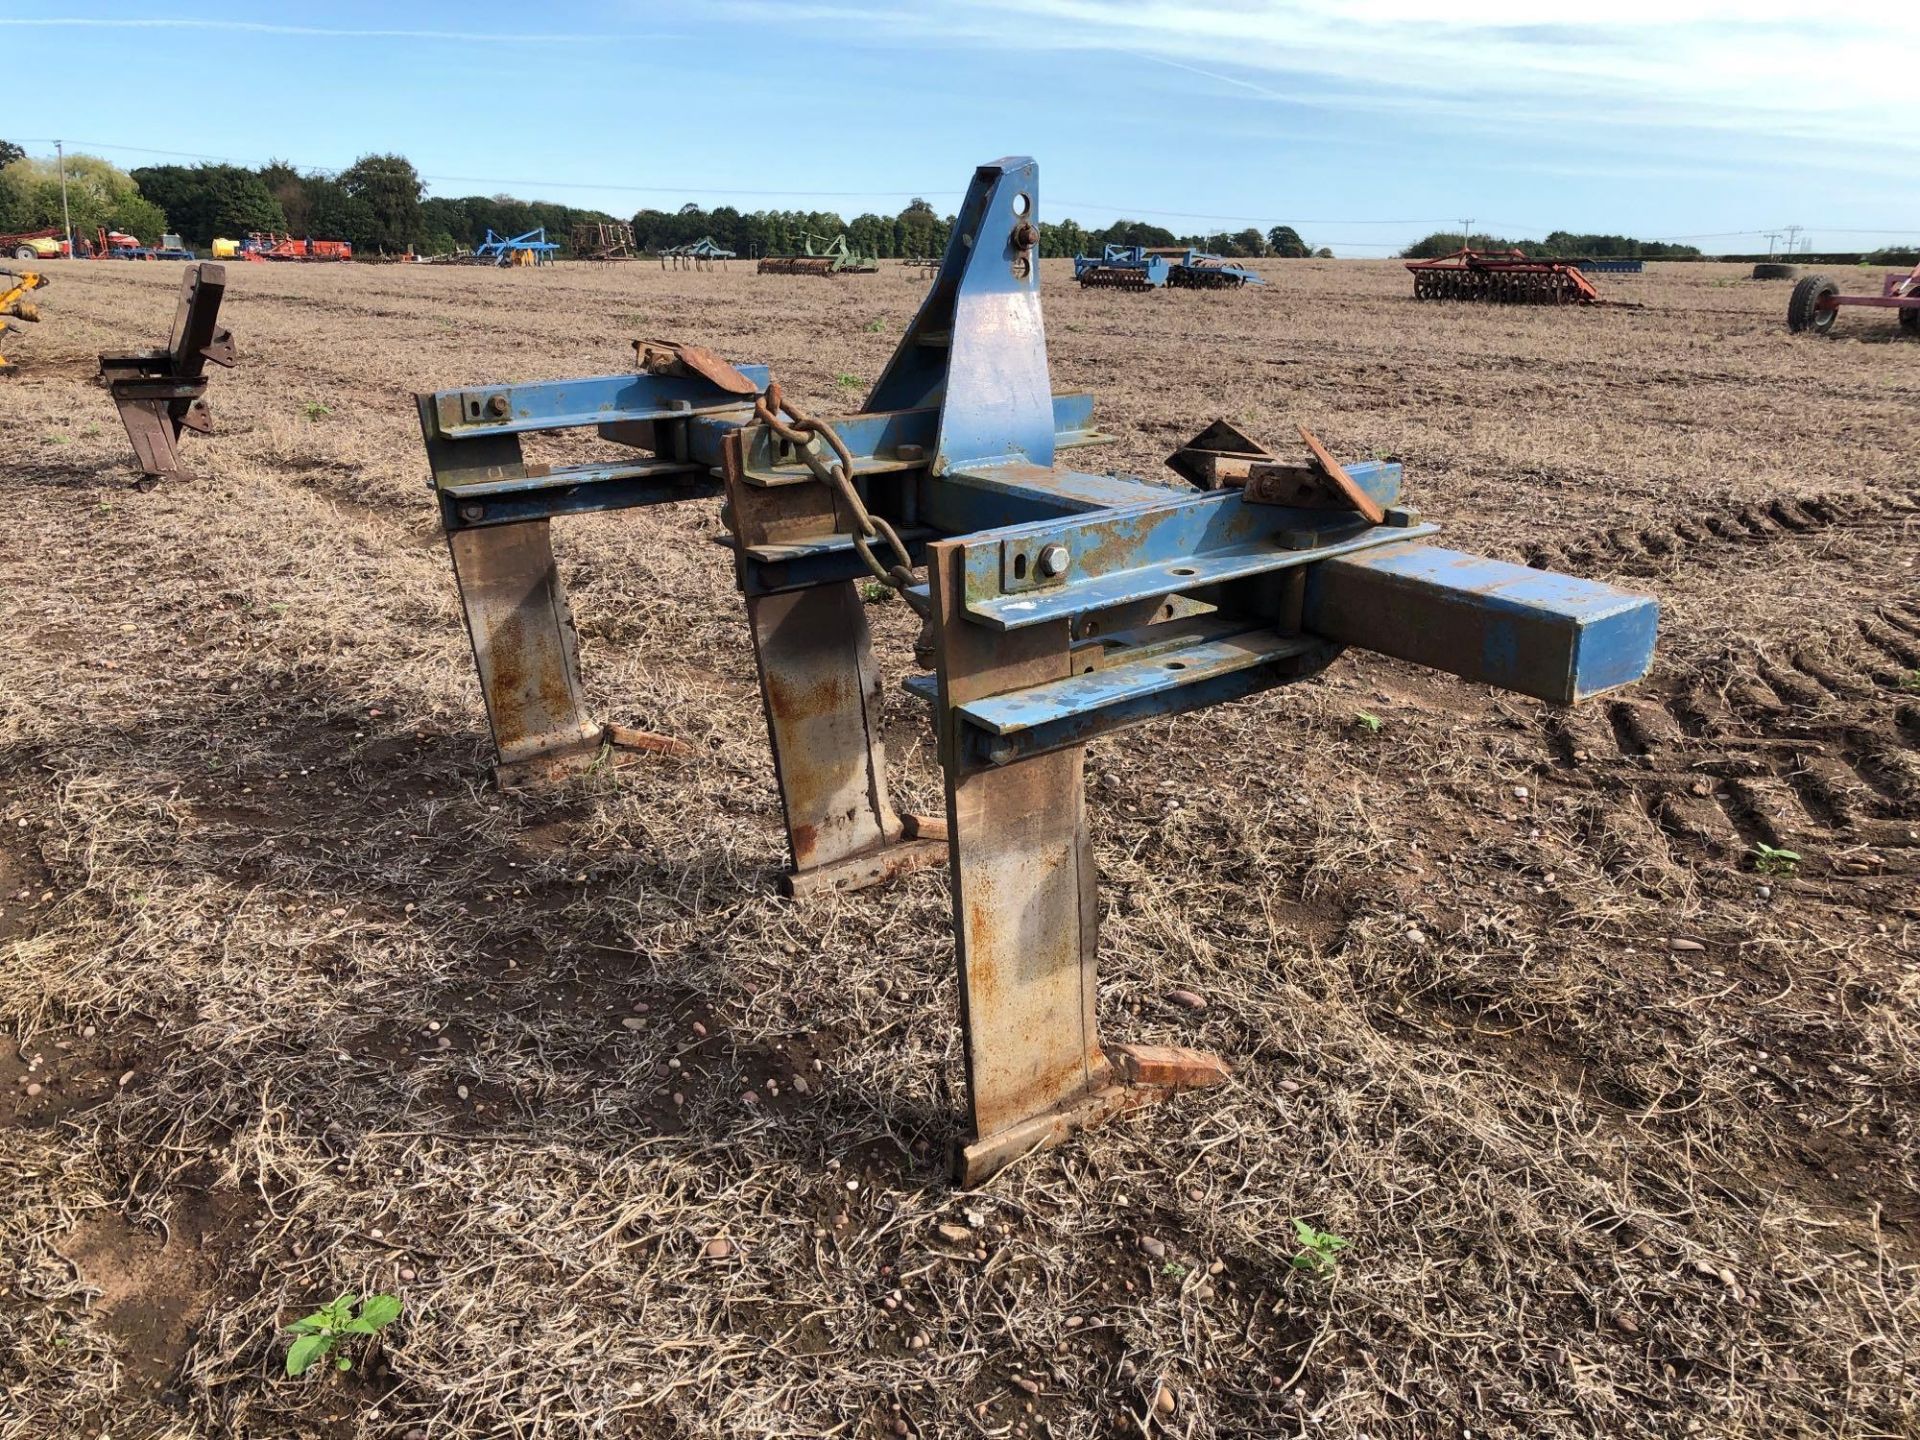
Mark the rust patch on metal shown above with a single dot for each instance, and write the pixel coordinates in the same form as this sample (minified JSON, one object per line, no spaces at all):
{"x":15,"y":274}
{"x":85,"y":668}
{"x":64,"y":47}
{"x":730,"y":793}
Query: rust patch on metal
{"x":625,"y":737}
{"x":672,"y":357}
{"x":873,"y":867}
{"x":1343,"y":482}
{"x":1169,"y":1067}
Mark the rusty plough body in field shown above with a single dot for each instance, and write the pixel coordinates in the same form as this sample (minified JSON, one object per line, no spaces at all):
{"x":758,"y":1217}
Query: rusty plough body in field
{"x":159,"y":393}
{"x":1059,"y":605}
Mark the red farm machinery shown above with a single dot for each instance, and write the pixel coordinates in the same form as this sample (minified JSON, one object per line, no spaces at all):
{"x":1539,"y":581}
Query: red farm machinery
{"x":1501,"y":277}
{"x":1816,"y":301}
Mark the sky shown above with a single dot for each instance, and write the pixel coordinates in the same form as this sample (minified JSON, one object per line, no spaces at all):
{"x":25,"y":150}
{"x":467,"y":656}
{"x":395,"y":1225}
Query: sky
{"x":1364,"y":124}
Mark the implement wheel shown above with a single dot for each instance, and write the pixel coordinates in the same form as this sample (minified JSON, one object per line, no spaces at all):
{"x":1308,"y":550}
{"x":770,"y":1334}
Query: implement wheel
{"x":1910,"y":319}
{"x":1803,"y":308}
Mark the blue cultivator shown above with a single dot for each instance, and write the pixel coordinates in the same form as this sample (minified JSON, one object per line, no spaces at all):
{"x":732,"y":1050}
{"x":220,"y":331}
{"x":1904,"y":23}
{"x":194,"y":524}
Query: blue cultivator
{"x":1147,"y":267}
{"x":1059,"y":605}
{"x":532,"y":248}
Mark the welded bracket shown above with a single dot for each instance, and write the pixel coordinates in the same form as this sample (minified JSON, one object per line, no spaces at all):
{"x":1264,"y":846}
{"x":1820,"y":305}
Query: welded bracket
{"x":159,"y":393}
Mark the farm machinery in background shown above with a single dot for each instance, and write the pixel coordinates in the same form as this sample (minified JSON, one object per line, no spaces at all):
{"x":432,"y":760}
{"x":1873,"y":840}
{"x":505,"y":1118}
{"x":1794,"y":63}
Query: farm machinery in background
{"x":603,"y":240}
{"x":118,"y":245}
{"x":263,"y":245}
{"x":1153,"y":267}
{"x":833,"y":257}
{"x":532,"y":248}
{"x":34,"y":245}
{"x":15,"y":308}
{"x":1502,"y":277}
{"x":701,"y":254}
{"x":1816,"y":302}
{"x":1058,"y":605}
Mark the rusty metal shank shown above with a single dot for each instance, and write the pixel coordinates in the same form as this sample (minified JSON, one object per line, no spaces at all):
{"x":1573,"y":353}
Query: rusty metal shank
{"x":159,"y":393}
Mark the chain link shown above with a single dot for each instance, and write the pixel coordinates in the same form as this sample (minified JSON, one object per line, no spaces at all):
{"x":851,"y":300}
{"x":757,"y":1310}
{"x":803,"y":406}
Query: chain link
{"x":837,"y":474}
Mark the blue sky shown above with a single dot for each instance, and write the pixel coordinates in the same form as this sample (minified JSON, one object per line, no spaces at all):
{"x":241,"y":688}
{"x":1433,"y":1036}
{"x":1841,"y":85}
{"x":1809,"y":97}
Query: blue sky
{"x":1363,"y":124}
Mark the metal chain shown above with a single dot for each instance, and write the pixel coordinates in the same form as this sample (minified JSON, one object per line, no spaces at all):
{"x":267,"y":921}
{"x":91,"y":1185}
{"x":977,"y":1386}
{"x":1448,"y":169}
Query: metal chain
{"x":837,"y":474}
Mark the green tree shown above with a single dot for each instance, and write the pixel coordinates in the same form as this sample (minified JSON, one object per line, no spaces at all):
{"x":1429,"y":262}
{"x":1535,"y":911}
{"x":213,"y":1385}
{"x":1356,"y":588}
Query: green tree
{"x":1064,"y":240}
{"x":203,"y":201}
{"x":918,"y":231}
{"x":98,"y":194}
{"x":10,"y":152}
{"x":1285,"y":241}
{"x":386,"y":190}
{"x":1131,"y":232}
{"x":334,"y":214}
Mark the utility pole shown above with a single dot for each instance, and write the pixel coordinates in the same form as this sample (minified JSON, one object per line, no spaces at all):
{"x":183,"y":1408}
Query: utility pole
{"x":1793,"y":232}
{"x":66,"y":220}
{"x":1773,"y":242}
{"x":1466,"y":234}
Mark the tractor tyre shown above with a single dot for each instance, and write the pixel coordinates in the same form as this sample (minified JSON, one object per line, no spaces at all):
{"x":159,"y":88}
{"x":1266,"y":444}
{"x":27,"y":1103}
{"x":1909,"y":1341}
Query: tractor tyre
{"x":1910,"y":321}
{"x":1768,"y":270}
{"x":25,"y":252}
{"x":1803,"y":308}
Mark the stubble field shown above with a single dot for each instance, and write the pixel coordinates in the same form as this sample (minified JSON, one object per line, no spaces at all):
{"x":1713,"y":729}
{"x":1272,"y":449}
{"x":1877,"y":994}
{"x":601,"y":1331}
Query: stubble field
{"x":1622,"y":1132}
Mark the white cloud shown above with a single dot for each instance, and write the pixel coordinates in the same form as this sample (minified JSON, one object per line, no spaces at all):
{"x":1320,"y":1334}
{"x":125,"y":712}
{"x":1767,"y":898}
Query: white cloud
{"x":1755,"y":67}
{"x":258,"y":27}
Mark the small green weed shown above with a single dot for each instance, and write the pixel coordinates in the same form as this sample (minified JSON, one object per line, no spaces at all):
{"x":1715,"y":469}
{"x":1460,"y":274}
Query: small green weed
{"x":93,"y":428}
{"x":1368,"y":721}
{"x":1319,"y":1250}
{"x":874,"y":326}
{"x":332,"y":1325}
{"x":316,"y":412}
{"x":1770,"y":861}
{"x":59,"y":439}
{"x":848,"y":382}
{"x":1174,"y":1270}
{"x":874,"y":593}
{"x":1910,"y":682}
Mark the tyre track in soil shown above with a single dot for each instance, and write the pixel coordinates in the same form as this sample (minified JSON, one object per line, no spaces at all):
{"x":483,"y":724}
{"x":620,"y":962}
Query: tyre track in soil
{"x":1816,"y":750}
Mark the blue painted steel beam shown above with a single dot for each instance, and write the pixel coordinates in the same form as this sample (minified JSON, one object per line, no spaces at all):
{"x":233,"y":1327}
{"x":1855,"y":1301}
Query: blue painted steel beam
{"x":1008,"y":495}
{"x":558,"y":404}
{"x":1531,"y":631}
{"x":583,"y":491}
{"x":1178,"y":542}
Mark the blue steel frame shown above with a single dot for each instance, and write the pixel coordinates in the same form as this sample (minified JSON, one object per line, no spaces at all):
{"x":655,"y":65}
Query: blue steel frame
{"x":1061,"y":605}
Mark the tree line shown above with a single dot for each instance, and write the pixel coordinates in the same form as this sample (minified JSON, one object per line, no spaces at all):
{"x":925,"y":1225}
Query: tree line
{"x":379,"y":203}
{"x":1560,"y":245}
{"x":919,"y":232}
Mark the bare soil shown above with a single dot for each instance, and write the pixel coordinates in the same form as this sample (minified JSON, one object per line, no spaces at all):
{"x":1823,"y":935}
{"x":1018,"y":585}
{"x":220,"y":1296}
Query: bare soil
{"x":1622,"y":1131}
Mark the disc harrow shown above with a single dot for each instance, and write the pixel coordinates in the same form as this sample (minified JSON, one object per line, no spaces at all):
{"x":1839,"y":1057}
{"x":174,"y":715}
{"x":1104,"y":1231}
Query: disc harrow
{"x":1501,"y":278}
{"x":1112,"y":277}
{"x":1151,"y":267}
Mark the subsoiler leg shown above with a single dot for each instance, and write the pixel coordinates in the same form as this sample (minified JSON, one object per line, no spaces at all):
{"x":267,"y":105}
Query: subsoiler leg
{"x":1026,"y":912}
{"x":822,"y":694}
{"x":525,"y":650}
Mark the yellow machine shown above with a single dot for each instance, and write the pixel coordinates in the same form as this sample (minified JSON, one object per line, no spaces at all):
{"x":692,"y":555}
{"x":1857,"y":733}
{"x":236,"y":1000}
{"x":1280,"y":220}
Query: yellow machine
{"x":225,"y":249}
{"x":15,"y":308}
